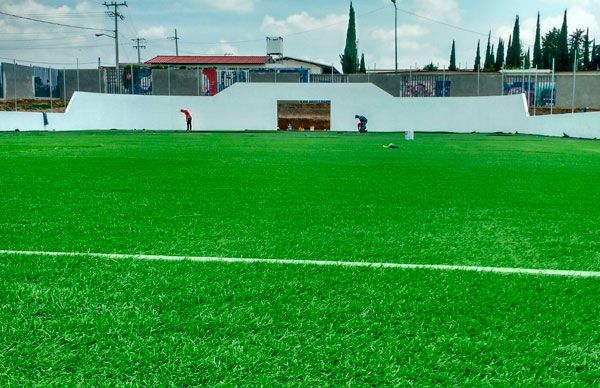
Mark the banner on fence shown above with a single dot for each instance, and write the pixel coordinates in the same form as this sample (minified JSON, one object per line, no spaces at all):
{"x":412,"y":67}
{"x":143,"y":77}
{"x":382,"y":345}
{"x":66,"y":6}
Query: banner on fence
{"x":425,"y":86}
{"x":540,"y":92}
{"x":45,"y":82}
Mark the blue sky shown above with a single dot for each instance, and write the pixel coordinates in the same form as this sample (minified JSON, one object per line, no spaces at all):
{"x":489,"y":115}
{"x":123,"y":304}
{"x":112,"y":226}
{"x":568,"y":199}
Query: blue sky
{"x":312,"y":29}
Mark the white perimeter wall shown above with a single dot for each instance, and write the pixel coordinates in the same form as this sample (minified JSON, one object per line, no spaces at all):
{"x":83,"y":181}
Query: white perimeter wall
{"x":253,"y":106}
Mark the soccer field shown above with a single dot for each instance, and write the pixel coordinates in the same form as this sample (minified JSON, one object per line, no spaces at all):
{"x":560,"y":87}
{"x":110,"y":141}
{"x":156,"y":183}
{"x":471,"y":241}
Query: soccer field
{"x":466,"y":200}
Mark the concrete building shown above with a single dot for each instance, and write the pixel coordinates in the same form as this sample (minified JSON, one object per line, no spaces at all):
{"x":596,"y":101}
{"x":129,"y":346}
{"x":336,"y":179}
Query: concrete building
{"x":315,"y":68}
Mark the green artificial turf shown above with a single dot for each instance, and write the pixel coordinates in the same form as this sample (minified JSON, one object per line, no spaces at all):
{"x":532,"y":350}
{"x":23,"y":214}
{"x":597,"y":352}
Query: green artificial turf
{"x":67,"y":322}
{"x":485,"y":200}
{"x":443,"y":199}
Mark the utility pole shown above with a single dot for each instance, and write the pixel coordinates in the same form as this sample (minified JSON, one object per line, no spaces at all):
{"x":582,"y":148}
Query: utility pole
{"x":139,"y":46}
{"x":176,"y":39}
{"x":117,"y":15}
{"x":396,"y":32}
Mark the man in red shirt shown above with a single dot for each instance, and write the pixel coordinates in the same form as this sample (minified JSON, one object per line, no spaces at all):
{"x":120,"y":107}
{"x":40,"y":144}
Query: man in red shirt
{"x":188,"y":119}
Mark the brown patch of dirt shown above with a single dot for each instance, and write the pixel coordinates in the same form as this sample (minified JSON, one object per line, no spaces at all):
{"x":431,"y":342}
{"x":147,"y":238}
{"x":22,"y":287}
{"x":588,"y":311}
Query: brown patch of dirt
{"x":32,"y":105}
{"x":557,"y":111}
{"x":304,"y":115}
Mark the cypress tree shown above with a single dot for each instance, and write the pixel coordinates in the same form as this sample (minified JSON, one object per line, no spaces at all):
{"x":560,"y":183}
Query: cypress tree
{"x":500,"y":55}
{"x":486,"y":63}
{"x":527,"y":59}
{"x":477,"y":58}
{"x":492,"y":60}
{"x":562,"y":59}
{"x":508,"y":53}
{"x":537,"y":47}
{"x":363,"y":65}
{"x":515,"y":50}
{"x":586,"y":50}
{"x":349,"y":59}
{"x":452,"y":66}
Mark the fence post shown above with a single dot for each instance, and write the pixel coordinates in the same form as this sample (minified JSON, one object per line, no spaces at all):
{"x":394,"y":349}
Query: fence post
{"x":50,"y":78}
{"x":444,"y":81}
{"x":78,"y":89}
{"x":65,"y":86}
{"x":15,"y":83}
{"x":552,"y":100}
{"x":574,"y":83}
{"x":529,"y":89}
{"x":478,"y":77}
{"x":169,"y":78}
{"x":535,"y":87}
{"x":198,"y":78}
{"x":99,"y":76}
{"x":132,"y":82}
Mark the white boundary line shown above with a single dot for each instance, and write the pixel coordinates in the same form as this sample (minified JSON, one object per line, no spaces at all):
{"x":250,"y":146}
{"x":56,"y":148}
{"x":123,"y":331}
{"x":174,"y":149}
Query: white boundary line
{"x":499,"y":270}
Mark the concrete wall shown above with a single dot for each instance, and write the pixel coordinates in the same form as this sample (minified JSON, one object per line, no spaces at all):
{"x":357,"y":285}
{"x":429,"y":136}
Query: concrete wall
{"x":88,"y":82}
{"x":254,"y":107}
{"x":185,"y":83}
{"x":24,"y":81}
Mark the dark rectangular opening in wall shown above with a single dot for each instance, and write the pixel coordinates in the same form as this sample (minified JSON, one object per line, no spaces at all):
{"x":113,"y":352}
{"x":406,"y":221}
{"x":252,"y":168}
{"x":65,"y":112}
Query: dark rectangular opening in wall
{"x":304,"y":115}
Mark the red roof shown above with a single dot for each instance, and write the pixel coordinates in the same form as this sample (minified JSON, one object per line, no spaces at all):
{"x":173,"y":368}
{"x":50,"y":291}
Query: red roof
{"x":209,"y":60}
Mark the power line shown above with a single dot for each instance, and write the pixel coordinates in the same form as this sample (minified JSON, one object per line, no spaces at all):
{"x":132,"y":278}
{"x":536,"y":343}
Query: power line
{"x":176,"y":39}
{"x":139,"y":46}
{"x":52,"y":23}
{"x":46,"y":63}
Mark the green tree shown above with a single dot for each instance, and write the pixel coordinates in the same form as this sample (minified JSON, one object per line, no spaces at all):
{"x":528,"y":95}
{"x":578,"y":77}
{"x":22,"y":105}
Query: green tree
{"x":537,"y":47}
{"x":363,"y":65}
{"x":563,"y":62}
{"x":576,"y":42}
{"x":488,"y":63}
{"x":527,"y":59}
{"x":349,"y":59}
{"x":430,"y":67}
{"x":477,"y":65}
{"x":500,"y":55}
{"x":513,"y":61}
{"x":550,"y":44}
{"x":586,"y":50}
{"x":595,"y":62}
{"x":492,"y":60}
{"x":508,"y":52}
{"x":452,"y":66}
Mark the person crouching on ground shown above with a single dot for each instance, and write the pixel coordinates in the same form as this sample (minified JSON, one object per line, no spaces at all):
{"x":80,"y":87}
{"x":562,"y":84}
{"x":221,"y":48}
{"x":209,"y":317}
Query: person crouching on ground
{"x":188,"y":119}
{"x":362,"y":123}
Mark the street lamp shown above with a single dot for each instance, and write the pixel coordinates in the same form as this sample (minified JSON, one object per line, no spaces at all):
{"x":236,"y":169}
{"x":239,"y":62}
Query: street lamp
{"x":115,"y":37}
{"x":396,"y":32}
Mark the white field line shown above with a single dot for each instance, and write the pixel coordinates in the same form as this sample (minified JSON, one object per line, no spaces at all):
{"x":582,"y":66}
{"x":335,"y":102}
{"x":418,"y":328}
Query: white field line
{"x":498,"y":270}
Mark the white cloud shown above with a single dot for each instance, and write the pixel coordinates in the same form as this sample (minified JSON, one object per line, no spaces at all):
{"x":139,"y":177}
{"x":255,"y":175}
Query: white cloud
{"x":443,"y":10}
{"x":239,"y":6}
{"x":303,"y":21}
{"x":222,"y":49}
{"x":154,"y":32}
{"x":578,"y":17}
{"x":35,"y":41}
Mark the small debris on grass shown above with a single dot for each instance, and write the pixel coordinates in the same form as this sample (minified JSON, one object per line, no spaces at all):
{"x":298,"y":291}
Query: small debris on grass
{"x":391,"y":146}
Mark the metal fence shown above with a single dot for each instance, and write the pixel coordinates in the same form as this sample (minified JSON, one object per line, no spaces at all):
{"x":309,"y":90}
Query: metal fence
{"x":430,"y":85}
{"x":1,"y":82}
{"x":539,"y":90}
{"x":129,"y":80}
{"x":328,"y":78}
{"x":45,"y":83}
